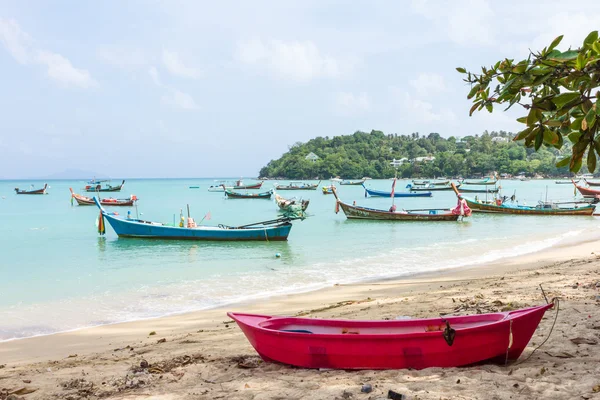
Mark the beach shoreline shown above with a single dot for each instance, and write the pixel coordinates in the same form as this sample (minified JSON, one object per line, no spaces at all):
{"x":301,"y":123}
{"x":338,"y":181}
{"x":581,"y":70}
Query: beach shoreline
{"x":109,"y":353}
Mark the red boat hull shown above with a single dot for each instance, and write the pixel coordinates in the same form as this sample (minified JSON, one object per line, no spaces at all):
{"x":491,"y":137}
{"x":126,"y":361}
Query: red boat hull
{"x":418,"y":344}
{"x":585,"y":192}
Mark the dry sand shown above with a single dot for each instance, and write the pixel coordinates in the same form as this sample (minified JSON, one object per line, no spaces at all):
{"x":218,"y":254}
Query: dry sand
{"x":204,"y":355}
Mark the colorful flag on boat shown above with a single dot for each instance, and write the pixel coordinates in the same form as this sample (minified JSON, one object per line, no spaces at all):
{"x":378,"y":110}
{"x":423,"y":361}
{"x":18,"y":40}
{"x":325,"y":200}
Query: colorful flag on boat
{"x":393,"y":188}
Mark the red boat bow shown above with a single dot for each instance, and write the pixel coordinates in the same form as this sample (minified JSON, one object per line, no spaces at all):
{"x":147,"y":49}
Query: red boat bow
{"x":418,"y":343}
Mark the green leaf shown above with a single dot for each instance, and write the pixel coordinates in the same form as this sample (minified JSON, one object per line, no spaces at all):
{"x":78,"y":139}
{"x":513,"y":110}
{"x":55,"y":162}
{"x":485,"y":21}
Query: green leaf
{"x":522,"y":120}
{"x":564,"y":162}
{"x":565,"y":98}
{"x":523,"y":134}
{"x":553,"y":122}
{"x":472,"y":110}
{"x":554,"y":43}
{"x":473,"y":91}
{"x":565,"y":56}
{"x":576,"y":124}
{"x":591,"y":160}
{"x":575,"y":164}
{"x":597,"y":146}
{"x":581,"y":61}
{"x":550,"y":137}
{"x":596,"y":47}
{"x":574,"y":137}
{"x":590,"y":118}
{"x":539,"y":139}
{"x":591,"y":38}
{"x":489,"y":107}
{"x":534,"y":116}
{"x":461,"y":70}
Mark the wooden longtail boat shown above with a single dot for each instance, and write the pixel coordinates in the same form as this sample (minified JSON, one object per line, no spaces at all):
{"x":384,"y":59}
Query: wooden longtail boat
{"x":430,"y":183}
{"x":277,"y":229}
{"x":486,"y":181}
{"x":32,"y":191}
{"x":327,"y":189}
{"x":237,"y":195}
{"x":289,"y":204}
{"x":239,"y":185}
{"x":566,"y":182}
{"x":500,"y":207}
{"x":107,"y":188}
{"x":591,"y":183}
{"x":586,"y":192}
{"x":478,"y":190}
{"x":391,"y":344}
{"x":379,"y":193}
{"x":356,"y":212}
{"x":428,"y":188}
{"x":298,"y":186}
{"x":88,"y":201}
{"x":349,"y":182}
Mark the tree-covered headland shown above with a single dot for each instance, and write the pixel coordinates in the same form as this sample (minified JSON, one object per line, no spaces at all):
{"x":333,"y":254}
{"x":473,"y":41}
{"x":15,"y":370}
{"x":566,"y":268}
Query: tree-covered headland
{"x":372,"y":154}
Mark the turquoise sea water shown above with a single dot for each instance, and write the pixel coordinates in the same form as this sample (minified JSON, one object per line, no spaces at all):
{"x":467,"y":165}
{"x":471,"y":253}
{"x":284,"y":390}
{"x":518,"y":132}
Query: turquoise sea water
{"x":57,"y":274}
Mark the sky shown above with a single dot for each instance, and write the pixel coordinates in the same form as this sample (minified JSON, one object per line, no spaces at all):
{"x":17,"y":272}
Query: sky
{"x":169,"y":88}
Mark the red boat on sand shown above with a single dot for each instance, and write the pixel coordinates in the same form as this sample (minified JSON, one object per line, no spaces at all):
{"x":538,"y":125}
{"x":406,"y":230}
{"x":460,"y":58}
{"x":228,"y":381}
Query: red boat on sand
{"x":395,"y":344}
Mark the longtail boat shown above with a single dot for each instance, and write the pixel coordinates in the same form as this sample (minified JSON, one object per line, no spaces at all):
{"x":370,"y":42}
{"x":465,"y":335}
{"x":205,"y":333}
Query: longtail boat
{"x":379,"y":193}
{"x":356,"y":212}
{"x":349,"y":182}
{"x":32,"y":191}
{"x":288,"y":204}
{"x":298,"y":186}
{"x":327,"y":189}
{"x":499,"y":206}
{"x":237,"y":195}
{"x":586,"y":192}
{"x":478,"y":190}
{"x":453,"y":341}
{"x":486,"y":181}
{"x":238,"y":185}
{"x":430,"y":183}
{"x":107,"y":188}
{"x":591,"y":183}
{"x":428,"y":187}
{"x":566,"y":182}
{"x":277,"y":229}
{"x":88,"y":201}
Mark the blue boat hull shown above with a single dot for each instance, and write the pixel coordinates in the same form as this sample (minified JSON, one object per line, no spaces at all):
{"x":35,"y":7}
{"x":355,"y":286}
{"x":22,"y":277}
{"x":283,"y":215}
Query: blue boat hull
{"x":379,"y":193}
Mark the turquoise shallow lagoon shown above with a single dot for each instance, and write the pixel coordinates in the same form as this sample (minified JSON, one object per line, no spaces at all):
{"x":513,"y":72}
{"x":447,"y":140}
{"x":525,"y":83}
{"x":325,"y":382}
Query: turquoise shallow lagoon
{"x":57,"y":274}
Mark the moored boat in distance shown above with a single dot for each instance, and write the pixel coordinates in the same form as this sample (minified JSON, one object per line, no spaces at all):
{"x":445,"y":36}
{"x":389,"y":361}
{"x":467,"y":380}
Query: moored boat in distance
{"x":32,"y":190}
{"x":591,"y":183}
{"x":478,"y":190}
{"x":237,"y":195}
{"x":428,"y":187}
{"x":238,"y":185}
{"x":107,"y":188}
{"x":88,"y":201}
{"x":380,"y":193}
{"x":357,"y":212}
{"x":501,"y":206}
{"x":486,"y":181}
{"x":351,"y":182}
{"x":298,"y":186}
{"x":291,"y":204}
{"x":566,"y":182}
{"x":327,"y":189}
{"x":277,"y":229}
{"x":449,"y":341}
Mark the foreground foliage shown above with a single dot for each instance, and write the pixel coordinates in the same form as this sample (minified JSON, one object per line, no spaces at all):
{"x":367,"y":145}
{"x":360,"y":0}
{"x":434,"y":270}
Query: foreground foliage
{"x":559,"y":91}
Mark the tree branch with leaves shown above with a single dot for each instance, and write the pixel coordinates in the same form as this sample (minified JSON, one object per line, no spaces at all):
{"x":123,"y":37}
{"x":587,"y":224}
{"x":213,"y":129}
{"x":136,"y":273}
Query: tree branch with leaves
{"x":558,"y":89}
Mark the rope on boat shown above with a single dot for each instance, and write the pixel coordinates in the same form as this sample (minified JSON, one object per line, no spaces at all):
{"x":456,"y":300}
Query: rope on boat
{"x":557,"y":302}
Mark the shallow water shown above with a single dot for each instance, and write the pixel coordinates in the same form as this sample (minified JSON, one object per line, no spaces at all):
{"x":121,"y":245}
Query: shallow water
{"x":57,"y":274}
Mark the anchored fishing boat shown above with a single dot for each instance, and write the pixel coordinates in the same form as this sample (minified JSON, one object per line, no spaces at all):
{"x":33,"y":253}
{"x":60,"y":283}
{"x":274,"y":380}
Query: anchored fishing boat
{"x":291,"y":204}
{"x":380,"y":193}
{"x":237,"y":195}
{"x":429,"y":187}
{"x":107,"y":188}
{"x":430,"y":183}
{"x":298,"y":186}
{"x":453,"y":341}
{"x":591,"y":183}
{"x":238,"y":185}
{"x":327,"y":189}
{"x":501,"y":206}
{"x":89,"y":201}
{"x":567,"y":182}
{"x":277,"y":229}
{"x":431,"y":214}
{"x":350,"y":182}
{"x":586,"y":192}
{"x":486,"y":181}
{"x":32,"y":190}
{"x":478,"y":190}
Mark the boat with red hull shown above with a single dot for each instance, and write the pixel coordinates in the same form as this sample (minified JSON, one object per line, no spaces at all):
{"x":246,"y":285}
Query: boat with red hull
{"x":32,"y":191}
{"x":392,"y":344}
{"x":89,"y":201}
{"x":587,"y":192}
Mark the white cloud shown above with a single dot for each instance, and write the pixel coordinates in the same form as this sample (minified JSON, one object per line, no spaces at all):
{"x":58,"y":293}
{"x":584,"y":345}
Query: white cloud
{"x":179,"y":99}
{"x":349,"y":103}
{"x":465,"y":22}
{"x":423,"y":111}
{"x":15,"y":40}
{"x":176,"y":66}
{"x":428,"y":84}
{"x":58,"y":67}
{"x":122,"y":57}
{"x":61,"y":70}
{"x":297,"y":61}
{"x":153,"y":72}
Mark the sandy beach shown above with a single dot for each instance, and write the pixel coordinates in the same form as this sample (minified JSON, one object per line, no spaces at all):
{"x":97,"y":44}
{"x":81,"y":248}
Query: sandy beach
{"x":205,"y":355}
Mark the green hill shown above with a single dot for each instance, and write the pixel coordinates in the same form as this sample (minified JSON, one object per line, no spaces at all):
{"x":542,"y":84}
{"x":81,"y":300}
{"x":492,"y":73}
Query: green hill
{"x":371,"y":154}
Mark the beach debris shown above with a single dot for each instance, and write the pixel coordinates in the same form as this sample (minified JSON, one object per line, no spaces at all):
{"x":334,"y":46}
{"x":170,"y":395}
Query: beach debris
{"x":144,"y":364}
{"x":163,"y":340}
{"x":347,"y":395}
{"x":72,"y":356}
{"x":13,"y":397}
{"x":2,"y":366}
{"x":248,"y":362}
{"x":23,"y":390}
{"x":366,"y":388}
{"x":395,"y":395}
{"x":596,"y":389}
{"x":246,"y":386}
{"x":26,"y":380}
{"x":581,"y":340}
{"x":167,"y":365}
{"x":152,"y":333}
{"x":562,"y":354}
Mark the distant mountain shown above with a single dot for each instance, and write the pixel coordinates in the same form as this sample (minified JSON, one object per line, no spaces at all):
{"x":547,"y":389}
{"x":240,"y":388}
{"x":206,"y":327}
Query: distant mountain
{"x":74,"y":174}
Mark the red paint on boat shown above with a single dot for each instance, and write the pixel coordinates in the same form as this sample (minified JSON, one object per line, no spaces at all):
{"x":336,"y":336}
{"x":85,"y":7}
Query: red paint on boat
{"x":415,"y":343}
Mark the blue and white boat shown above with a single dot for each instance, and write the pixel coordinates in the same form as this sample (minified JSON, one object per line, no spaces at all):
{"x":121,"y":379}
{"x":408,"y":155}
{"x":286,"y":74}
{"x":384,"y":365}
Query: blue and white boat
{"x":380,"y":193}
{"x":277,"y":229}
